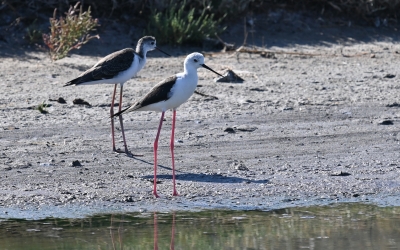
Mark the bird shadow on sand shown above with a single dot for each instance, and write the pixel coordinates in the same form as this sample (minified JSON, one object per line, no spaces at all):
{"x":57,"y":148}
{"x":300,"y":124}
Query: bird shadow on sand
{"x":217,"y":178}
{"x":199,"y":177}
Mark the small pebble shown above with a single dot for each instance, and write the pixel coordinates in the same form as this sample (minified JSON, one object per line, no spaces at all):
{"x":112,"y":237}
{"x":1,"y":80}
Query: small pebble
{"x":76,"y":163}
{"x":229,"y":130}
{"x":79,"y":101}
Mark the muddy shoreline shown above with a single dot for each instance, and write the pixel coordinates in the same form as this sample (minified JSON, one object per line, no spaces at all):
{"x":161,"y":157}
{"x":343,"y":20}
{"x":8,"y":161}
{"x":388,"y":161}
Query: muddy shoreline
{"x":314,"y":127}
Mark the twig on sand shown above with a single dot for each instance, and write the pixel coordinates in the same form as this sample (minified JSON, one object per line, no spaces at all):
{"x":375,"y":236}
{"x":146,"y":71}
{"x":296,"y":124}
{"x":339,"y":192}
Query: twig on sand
{"x":357,"y":54}
{"x":270,"y":53}
{"x":263,"y":52}
{"x":205,"y":95}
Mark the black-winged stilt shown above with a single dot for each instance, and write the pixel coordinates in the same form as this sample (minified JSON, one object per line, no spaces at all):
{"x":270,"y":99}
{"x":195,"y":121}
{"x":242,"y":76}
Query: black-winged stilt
{"x":117,"y":68}
{"x":170,"y":93}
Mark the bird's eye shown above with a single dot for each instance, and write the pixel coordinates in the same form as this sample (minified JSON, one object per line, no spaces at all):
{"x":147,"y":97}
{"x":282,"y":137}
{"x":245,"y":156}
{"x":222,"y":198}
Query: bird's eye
{"x":152,"y":43}
{"x":195,"y":60}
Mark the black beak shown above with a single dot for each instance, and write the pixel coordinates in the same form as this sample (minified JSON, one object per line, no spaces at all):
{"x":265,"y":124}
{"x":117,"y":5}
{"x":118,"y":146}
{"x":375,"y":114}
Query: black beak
{"x":205,"y":66}
{"x":162,"y":51}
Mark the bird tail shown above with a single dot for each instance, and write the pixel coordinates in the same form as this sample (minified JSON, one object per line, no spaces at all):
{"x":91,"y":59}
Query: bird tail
{"x":72,"y":82}
{"x":80,"y":79}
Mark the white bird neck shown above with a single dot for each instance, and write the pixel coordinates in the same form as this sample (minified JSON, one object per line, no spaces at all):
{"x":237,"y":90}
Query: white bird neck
{"x":141,"y":51}
{"x":188,"y":70}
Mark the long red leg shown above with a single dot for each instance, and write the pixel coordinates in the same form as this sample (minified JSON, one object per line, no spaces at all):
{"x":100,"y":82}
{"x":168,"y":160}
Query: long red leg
{"x":172,"y":152}
{"x":121,"y":120}
{"x":112,"y":119}
{"x":155,"y":155}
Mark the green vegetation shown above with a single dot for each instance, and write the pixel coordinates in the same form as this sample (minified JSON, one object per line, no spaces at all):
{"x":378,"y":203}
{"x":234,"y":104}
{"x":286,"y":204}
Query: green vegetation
{"x":42,"y":107}
{"x":33,"y":34}
{"x":142,"y":8}
{"x":177,"y":25}
{"x":172,"y":21}
{"x":69,"y":32}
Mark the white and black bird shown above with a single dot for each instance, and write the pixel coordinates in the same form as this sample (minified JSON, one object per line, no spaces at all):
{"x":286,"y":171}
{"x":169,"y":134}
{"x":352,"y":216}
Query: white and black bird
{"x":117,"y":68}
{"x":170,"y":93}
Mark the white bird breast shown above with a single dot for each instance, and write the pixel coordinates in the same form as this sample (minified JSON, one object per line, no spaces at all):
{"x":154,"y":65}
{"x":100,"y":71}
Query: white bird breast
{"x":137,"y":65}
{"x":183,"y":89}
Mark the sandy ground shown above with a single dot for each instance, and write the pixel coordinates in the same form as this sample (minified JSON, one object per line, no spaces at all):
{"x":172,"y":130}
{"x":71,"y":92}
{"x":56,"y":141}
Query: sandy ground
{"x":317,"y":124}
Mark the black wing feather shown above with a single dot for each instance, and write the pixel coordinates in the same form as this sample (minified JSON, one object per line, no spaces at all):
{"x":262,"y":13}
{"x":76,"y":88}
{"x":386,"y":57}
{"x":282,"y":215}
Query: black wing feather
{"x":159,"y":93}
{"x":106,"y":68}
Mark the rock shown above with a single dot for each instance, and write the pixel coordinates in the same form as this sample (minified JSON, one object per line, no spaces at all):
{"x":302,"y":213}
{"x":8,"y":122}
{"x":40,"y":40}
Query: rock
{"x":245,"y":128}
{"x":389,"y":76}
{"x":257,"y":89}
{"x":249,"y":101}
{"x":229,"y":130}
{"x":386,"y":122}
{"x":20,"y":164}
{"x":229,"y":77}
{"x":61,"y":100}
{"x":340,"y":174}
{"x":395,"y":104}
{"x":239,"y":165}
{"x":267,"y":54}
{"x":129,"y":199}
{"x":79,"y":101}
{"x":76,"y":163}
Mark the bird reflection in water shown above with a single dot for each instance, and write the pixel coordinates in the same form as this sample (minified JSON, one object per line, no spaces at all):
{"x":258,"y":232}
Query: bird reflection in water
{"x":172,"y":244}
{"x":117,"y":231}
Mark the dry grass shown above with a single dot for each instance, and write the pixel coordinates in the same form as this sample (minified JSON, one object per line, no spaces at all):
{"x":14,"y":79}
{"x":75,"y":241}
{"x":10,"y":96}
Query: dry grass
{"x":69,"y":32}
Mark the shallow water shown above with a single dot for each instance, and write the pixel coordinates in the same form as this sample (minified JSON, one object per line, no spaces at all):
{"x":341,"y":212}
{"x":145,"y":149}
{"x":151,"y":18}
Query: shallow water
{"x":344,"y":226}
